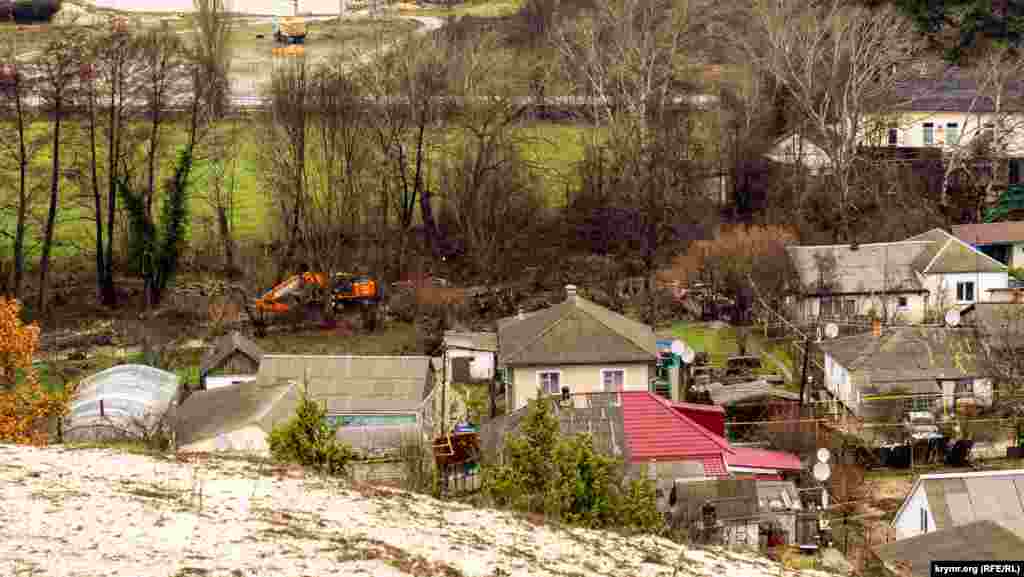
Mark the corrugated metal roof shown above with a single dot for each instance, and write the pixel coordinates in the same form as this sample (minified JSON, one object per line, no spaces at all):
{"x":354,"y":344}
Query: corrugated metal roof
{"x":395,"y":378}
{"x":655,"y":431}
{"x":763,"y":459}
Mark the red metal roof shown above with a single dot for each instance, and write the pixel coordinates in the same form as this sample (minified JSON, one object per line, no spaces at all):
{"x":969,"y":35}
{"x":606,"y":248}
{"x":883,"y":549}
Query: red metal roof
{"x":656,"y":430}
{"x":762,"y":459}
{"x":698,"y":407}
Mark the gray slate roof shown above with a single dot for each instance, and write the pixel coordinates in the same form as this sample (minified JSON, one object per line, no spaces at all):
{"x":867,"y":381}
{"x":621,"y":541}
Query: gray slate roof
{"x":225,"y":346}
{"x":949,"y":254}
{"x":905,"y":353}
{"x":575,"y":331}
{"x":726,"y":395}
{"x":978,"y":541}
{"x":205,"y":414}
{"x":354,"y":383}
{"x":471,"y":341}
{"x":954,"y":89}
{"x":960,"y":499}
{"x":888,"y":266}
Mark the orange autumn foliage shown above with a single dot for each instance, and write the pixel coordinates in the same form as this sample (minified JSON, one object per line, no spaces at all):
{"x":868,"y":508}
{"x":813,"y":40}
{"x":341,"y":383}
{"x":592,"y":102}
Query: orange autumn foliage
{"x":736,"y":251}
{"x":25,"y":406}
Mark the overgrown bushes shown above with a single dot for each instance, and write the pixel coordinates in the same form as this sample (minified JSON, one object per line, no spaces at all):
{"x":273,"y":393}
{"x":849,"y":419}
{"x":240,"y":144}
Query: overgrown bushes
{"x":308,"y":440}
{"x":567,"y":479}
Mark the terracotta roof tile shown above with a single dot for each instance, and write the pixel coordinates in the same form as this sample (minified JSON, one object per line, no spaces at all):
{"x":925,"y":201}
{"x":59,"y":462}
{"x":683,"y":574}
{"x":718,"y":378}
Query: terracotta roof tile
{"x":990,"y":233}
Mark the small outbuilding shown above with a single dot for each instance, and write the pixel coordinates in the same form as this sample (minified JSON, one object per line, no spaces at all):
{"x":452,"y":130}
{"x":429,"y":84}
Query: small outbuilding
{"x":118,"y":401}
{"x":233,"y":359}
{"x":233,"y":418}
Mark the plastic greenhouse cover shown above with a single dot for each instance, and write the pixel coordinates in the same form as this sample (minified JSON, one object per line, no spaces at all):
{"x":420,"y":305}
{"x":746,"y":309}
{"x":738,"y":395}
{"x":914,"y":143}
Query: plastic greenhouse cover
{"x":126,"y":390}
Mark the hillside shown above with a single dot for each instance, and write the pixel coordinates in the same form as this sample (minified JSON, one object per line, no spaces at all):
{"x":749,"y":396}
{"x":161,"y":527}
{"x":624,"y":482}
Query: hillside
{"x":97,"y":512}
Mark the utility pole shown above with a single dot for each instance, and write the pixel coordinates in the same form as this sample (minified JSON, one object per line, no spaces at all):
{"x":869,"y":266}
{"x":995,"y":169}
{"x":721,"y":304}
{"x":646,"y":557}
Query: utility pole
{"x":803,"y":375}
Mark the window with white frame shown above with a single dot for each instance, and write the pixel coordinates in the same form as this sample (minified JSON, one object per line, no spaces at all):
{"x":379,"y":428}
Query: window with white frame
{"x":613,"y":380}
{"x":965,"y":291}
{"x":928,"y":134}
{"x":550,"y":381}
{"x":952,"y":133}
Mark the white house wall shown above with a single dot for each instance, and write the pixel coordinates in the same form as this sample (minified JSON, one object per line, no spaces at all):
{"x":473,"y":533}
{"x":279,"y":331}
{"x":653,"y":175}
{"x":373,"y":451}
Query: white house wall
{"x":910,"y":127}
{"x":914,"y":312}
{"x":943,"y":287}
{"x":908,"y":523}
{"x":839,"y":383}
{"x":481,"y":367}
{"x":579,"y":379}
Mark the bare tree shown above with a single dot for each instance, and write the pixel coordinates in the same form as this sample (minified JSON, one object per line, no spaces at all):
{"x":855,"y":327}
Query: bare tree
{"x":630,"y":58}
{"x":60,"y":67}
{"x":409,"y":84}
{"x":17,"y":89}
{"x":212,"y":55}
{"x":161,"y":80}
{"x":285,"y":161}
{"x":116,"y":66}
{"x":839,"y":61}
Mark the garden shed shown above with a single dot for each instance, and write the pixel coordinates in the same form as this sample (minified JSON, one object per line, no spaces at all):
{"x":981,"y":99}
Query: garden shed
{"x":233,"y":359}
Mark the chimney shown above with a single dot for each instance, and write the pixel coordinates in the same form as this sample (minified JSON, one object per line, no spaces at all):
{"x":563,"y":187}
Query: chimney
{"x":570,"y":291}
{"x":876,"y":328}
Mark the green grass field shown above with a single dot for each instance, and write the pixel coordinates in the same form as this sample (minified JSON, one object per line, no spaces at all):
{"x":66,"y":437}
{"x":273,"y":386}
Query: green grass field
{"x":474,"y":8}
{"x":553,"y":151}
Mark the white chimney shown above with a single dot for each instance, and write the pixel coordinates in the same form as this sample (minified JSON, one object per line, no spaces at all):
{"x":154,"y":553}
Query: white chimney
{"x":570,"y":291}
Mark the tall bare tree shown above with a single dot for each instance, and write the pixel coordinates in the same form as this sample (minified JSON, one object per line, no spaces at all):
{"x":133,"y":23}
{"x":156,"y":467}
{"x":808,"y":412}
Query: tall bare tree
{"x":213,"y":56}
{"x":60,"y":66}
{"x":839,"y":61}
{"x":116,"y":67}
{"x":162,"y":81}
{"x":17,"y":89}
{"x":630,"y":59}
{"x":410,"y":83}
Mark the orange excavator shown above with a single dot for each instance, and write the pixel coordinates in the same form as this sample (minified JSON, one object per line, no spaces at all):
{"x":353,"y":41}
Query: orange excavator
{"x":313,"y":293}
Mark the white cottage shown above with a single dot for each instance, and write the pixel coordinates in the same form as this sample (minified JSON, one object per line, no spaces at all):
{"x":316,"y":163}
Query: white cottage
{"x":911,"y":280}
{"x":945,"y":500}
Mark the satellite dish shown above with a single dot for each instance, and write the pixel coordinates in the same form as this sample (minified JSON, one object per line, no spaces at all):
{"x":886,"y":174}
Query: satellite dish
{"x":952,"y":317}
{"x":831,"y":330}
{"x":824,"y":455}
{"x":678,"y":347}
{"x":822,"y":471}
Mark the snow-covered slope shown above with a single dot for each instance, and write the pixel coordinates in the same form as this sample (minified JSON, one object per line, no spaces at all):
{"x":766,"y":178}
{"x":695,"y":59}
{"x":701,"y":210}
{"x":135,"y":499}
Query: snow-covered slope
{"x":97,"y":512}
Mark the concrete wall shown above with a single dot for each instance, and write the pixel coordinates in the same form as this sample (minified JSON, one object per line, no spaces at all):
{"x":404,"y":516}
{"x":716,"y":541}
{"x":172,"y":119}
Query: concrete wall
{"x":579,"y":379}
{"x":908,"y":523}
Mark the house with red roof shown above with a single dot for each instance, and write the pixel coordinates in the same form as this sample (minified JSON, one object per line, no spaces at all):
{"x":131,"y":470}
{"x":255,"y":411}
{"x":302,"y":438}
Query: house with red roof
{"x":661,"y":431}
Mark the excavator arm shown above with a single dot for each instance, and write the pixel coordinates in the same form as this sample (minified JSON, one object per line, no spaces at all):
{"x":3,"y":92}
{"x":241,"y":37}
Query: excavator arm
{"x":271,"y":301}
